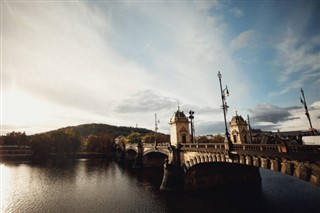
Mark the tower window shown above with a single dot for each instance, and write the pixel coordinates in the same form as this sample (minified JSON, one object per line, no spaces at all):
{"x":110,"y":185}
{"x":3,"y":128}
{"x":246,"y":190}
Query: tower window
{"x":184,"y":139}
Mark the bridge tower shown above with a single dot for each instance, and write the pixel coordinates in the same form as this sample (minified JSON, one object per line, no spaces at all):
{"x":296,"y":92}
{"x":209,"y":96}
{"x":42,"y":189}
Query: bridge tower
{"x":239,"y":130}
{"x":179,"y":125}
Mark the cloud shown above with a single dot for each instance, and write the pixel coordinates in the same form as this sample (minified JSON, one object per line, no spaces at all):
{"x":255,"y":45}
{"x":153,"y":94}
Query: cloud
{"x":236,"y":12}
{"x":243,"y":39}
{"x":298,"y":62}
{"x":271,"y":117}
{"x":146,"y":101}
{"x":271,"y":114}
{"x":58,"y":52}
{"x":99,"y":60}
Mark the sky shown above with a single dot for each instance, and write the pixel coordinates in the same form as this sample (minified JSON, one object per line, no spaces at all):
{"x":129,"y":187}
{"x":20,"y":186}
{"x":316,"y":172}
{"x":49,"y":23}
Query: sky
{"x":66,"y":63}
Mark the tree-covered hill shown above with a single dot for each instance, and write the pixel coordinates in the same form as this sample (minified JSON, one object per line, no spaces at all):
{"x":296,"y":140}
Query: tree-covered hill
{"x":85,"y":130}
{"x":86,"y":138}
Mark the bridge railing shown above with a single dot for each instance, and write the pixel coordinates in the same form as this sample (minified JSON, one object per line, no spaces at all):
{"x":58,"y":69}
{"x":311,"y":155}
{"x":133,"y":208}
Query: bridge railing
{"x":150,"y":145}
{"x":218,"y":146}
{"x":280,"y":148}
{"x":312,"y":149}
{"x":258,"y":147}
{"x":15,"y":150}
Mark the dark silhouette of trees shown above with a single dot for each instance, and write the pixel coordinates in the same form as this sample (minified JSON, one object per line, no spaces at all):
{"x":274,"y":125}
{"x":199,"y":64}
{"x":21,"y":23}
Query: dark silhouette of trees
{"x":134,"y":137}
{"x":99,"y":143}
{"x":15,"y":138}
{"x":41,"y":145}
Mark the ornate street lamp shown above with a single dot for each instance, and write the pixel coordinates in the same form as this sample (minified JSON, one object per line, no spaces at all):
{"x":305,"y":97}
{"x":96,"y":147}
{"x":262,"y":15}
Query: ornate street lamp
{"x":192,"y":128}
{"x":224,"y":93}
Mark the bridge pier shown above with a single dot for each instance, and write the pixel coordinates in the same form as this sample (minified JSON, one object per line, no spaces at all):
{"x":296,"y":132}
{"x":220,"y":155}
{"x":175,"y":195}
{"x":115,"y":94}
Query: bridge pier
{"x":248,"y":160}
{"x":275,"y":165}
{"x":315,"y":178}
{"x":138,"y":161}
{"x":173,"y":176}
{"x":220,"y":173}
{"x":301,"y":172}
{"x":242,"y":159}
{"x":256,"y":161}
{"x":286,"y":168}
{"x":265,"y":163}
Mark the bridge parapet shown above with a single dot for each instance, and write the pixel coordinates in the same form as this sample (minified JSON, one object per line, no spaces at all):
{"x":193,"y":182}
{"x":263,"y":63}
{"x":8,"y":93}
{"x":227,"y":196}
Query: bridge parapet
{"x":314,"y":149}
{"x":258,"y":147}
{"x":294,"y":152}
{"x":203,"y":146}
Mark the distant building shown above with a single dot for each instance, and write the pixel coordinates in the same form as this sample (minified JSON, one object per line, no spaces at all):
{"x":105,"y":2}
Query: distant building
{"x":239,"y":132}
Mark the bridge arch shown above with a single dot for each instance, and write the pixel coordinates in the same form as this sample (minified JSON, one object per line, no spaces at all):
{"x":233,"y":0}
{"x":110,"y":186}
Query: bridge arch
{"x":154,"y":159}
{"x":163,"y":151}
{"x":305,"y":170}
{"x":131,"y":153}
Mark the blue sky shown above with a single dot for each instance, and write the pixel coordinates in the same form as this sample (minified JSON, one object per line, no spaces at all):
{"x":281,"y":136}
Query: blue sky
{"x":119,"y":62}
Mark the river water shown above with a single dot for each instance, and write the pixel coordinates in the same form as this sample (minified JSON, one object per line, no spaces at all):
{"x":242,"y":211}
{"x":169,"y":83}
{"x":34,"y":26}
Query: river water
{"x":107,"y":186}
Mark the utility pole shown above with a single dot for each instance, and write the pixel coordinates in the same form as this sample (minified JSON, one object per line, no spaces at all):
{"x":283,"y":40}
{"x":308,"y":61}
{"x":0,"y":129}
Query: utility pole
{"x":156,"y":121}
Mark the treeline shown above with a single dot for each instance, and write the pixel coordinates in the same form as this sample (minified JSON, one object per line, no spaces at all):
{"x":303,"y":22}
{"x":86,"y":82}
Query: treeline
{"x":84,"y":139}
{"x":88,"y":139}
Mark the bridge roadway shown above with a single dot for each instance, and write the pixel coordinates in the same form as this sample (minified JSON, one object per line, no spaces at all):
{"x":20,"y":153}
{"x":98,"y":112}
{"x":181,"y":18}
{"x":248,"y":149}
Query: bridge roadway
{"x":185,"y":162}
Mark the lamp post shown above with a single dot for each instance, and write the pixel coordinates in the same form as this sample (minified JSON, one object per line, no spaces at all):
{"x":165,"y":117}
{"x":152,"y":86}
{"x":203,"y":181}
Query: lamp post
{"x":192,"y":128}
{"x":224,"y":93}
{"x":249,"y":129}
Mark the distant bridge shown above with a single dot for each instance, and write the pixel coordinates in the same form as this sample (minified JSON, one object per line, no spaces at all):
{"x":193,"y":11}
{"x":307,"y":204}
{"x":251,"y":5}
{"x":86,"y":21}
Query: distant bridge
{"x":15,"y":152}
{"x":189,"y":165}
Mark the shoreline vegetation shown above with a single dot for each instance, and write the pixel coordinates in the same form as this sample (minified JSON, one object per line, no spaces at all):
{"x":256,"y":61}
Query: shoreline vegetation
{"x":82,"y":141}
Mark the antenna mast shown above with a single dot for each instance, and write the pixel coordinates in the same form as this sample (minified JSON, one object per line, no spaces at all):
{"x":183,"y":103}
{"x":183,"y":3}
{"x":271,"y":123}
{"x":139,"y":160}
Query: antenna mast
{"x":156,"y":121}
{"x":303,"y":101}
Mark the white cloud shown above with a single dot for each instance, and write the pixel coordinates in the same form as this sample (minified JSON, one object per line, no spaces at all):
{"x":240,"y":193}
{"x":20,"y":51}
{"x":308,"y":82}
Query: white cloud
{"x":297,"y":61}
{"x":90,"y":58}
{"x":243,"y":39}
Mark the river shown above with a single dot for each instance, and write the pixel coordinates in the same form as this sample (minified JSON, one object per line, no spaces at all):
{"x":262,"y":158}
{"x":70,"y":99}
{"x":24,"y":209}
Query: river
{"x":107,"y":186}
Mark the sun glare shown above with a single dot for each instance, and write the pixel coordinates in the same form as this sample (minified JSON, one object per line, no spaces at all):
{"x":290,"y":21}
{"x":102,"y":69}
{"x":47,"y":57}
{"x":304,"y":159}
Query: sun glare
{"x":21,"y":109}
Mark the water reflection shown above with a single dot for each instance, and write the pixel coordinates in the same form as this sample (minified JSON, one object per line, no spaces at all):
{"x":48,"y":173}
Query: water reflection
{"x":106,"y":186}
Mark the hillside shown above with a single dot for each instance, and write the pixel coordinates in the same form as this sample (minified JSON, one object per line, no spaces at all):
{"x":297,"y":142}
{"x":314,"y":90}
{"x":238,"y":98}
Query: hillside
{"x":87,"y":139}
{"x":85,"y":130}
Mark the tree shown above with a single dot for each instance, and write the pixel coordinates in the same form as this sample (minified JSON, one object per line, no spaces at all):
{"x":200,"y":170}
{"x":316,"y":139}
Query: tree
{"x":99,"y":143}
{"x":202,"y":139}
{"x":41,"y":145}
{"x":59,"y":142}
{"x":134,"y":137}
{"x":15,"y":138}
{"x":217,"y":139}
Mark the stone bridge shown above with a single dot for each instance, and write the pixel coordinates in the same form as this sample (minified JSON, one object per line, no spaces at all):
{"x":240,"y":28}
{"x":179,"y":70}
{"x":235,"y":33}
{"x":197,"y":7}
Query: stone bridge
{"x":191,"y":166}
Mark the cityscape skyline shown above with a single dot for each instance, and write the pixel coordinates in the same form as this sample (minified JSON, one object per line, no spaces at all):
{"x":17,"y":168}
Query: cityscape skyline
{"x":75,"y":62}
